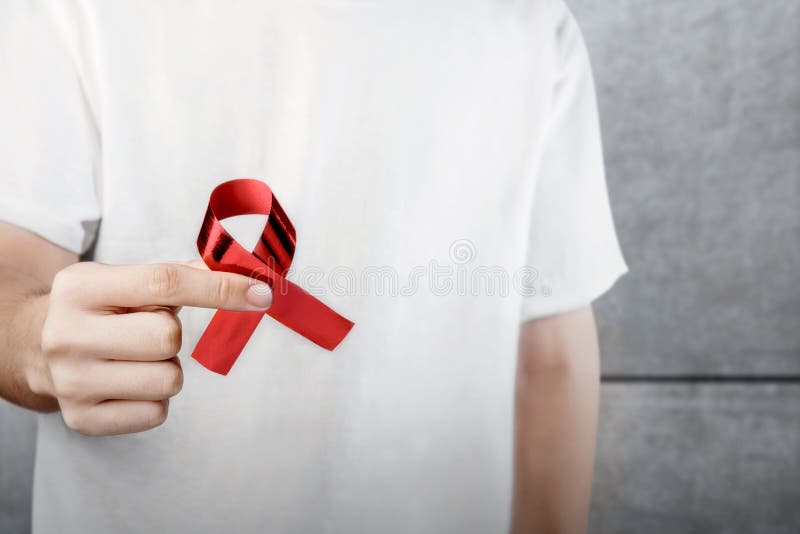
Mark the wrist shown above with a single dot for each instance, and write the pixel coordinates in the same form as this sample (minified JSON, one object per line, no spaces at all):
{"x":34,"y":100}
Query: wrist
{"x":34,"y":369}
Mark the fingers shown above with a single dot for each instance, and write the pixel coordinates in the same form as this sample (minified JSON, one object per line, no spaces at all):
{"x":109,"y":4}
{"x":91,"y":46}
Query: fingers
{"x":141,"y":336}
{"x":162,"y":284}
{"x":114,"y":417}
{"x":91,"y":381}
{"x":101,"y":380}
{"x":101,"y":398}
{"x":111,"y":334}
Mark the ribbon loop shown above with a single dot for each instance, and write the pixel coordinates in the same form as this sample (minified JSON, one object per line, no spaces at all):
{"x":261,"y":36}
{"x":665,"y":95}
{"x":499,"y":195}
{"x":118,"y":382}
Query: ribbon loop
{"x":228,"y":332}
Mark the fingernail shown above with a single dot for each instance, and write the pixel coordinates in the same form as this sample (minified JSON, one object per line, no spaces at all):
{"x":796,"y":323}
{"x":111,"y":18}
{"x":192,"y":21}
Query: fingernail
{"x":259,"y":295}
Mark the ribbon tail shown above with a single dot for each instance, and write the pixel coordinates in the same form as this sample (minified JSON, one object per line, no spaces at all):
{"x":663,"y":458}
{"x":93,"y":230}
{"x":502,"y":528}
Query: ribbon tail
{"x":297,"y":309}
{"x":225,"y":338}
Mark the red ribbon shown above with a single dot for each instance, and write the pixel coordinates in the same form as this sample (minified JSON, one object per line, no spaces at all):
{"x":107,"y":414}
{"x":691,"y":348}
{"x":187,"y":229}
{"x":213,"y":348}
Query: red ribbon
{"x":229,"y":331}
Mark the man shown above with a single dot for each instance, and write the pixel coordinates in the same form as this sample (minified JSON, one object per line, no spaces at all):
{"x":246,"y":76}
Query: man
{"x":452,"y":139}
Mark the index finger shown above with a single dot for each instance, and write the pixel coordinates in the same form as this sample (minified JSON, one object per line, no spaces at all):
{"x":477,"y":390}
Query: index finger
{"x":171,"y":284}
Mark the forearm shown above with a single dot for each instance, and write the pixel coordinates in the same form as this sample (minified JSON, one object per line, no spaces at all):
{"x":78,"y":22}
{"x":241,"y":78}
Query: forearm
{"x":556,"y":422}
{"x":23,"y":306}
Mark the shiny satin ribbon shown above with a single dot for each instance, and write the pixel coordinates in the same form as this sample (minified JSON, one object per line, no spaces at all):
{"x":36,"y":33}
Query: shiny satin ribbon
{"x":228,"y":332}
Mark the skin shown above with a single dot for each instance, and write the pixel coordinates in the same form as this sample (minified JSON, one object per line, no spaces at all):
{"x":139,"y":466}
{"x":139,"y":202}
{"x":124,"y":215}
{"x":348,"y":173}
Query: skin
{"x":100,"y":342}
{"x":558,"y":384}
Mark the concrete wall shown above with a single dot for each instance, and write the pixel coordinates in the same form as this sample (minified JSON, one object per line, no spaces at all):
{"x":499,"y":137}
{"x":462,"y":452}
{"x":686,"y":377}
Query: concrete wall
{"x":700,"y":101}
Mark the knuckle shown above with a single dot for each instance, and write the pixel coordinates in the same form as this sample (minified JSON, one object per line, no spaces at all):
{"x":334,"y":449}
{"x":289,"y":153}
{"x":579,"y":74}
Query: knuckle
{"x":67,"y":382}
{"x":224,"y":289}
{"x":172,"y":379}
{"x":68,"y":279}
{"x":60,"y":281}
{"x":169,"y":336}
{"x":65,"y":277}
{"x":78,"y":421}
{"x":156,"y":414}
{"x":53,"y":341}
{"x":165,"y":280}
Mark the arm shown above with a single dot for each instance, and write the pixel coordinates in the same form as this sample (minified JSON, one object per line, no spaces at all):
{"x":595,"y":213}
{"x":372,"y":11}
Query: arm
{"x":27,"y":268}
{"x":100,"y":342}
{"x":556,"y":423}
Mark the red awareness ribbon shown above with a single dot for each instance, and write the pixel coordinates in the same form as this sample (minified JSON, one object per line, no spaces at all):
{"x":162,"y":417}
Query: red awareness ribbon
{"x":228,"y":332}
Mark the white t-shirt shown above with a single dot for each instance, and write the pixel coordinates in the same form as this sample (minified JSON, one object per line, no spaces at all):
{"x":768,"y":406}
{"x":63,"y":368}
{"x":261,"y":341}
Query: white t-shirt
{"x":442,"y":164}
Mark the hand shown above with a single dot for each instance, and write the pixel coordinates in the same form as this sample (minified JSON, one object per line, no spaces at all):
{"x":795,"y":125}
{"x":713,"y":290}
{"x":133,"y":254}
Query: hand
{"x":111,"y":337}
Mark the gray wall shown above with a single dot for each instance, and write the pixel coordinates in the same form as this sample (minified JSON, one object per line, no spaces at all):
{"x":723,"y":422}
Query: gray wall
{"x":700,"y":101}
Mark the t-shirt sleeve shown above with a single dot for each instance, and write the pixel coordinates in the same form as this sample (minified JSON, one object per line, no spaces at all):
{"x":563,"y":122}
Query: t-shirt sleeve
{"x":572,"y":247}
{"x":49,"y":141}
